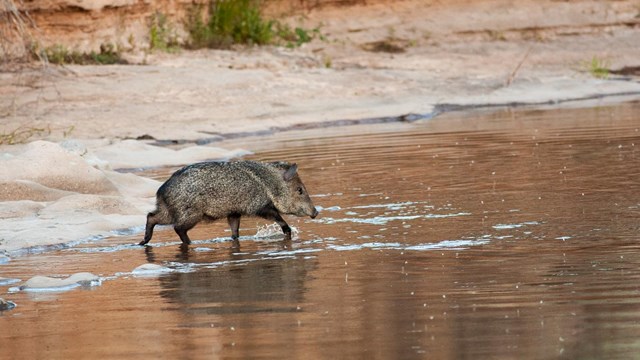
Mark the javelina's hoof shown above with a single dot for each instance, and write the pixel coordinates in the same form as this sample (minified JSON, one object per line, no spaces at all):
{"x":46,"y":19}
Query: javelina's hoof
{"x":6,"y":305}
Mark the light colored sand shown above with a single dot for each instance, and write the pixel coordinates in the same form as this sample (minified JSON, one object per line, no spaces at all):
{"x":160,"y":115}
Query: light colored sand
{"x":51,"y":194}
{"x":64,"y":189}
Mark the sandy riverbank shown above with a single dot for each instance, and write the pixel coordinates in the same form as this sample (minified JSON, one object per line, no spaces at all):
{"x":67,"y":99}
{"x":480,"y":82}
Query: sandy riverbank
{"x":65,"y":189}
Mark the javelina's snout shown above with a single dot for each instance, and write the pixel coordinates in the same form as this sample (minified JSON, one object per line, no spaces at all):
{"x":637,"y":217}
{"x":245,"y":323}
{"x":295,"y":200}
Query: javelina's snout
{"x":314,"y":213}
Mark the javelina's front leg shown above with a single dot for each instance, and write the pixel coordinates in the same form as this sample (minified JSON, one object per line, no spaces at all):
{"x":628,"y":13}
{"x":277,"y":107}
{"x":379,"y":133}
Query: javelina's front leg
{"x":273,"y":215}
{"x":283,"y":224}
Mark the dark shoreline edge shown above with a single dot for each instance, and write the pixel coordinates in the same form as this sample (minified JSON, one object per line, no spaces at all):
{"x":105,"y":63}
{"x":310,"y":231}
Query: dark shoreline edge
{"x":438,"y":109}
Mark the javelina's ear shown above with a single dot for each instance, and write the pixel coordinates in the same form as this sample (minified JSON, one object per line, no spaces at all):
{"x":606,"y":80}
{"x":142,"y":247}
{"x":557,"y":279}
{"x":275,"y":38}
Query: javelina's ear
{"x":290,"y":173}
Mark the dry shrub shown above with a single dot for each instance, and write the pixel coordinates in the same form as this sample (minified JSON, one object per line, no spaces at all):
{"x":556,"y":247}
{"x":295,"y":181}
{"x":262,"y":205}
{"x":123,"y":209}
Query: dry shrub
{"x":17,"y":41}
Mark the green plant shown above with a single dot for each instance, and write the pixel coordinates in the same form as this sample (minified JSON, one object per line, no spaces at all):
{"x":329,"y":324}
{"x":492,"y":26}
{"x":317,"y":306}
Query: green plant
{"x":60,"y":55}
{"x":297,"y":36}
{"x":162,"y":36}
{"x":328,"y":62}
{"x":108,"y":55}
{"x":598,"y":68}
{"x":241,"y":22}
{"x":17,"y":32}
{"x":132,"y":41}
{"x":389,"y":45}
{"x":199,"y":32}
{"x":22,"y":134}
{"x":230,"y":22}
{"x":496,"y":35}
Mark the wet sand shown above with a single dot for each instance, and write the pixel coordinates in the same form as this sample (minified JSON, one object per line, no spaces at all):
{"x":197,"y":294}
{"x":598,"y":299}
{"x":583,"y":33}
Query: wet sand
{"x":64,"y":189}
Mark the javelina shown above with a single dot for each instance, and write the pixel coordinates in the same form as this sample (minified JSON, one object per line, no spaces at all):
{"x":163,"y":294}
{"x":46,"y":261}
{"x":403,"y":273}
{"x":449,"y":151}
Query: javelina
{"x":214,"y":190}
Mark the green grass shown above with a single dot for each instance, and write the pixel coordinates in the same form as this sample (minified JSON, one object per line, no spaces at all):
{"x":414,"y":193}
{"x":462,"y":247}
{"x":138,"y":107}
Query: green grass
{"x":162,"y":35}
{"x":241,"y":22}
{"x":230,"y":22}
{"x":24,"y":134}
{"x":598,"y":68}
{"x":295,"y":37}
{"x":328,"y":62}
{"x":21,"y":135}
{"x":216,"y":24}
{"x":60,"y":55}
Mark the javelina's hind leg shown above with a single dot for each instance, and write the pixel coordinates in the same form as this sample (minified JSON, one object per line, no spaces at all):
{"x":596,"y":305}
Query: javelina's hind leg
{"x":182,"y":232}
{"x":234,"y":224}
{"x":151,"y":223}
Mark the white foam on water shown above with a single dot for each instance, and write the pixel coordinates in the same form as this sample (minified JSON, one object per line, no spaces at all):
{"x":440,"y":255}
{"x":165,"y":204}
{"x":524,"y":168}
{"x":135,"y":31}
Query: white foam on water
{"x":390,"y":206}
{"x":383,"y":220}
{"x":106,"y":249}
{"x":326,"y":195}
{"x":448,"y":245}
{"x":442,"y":245}
{"x":292,"y":252}
{"x":202,"y":249}
{"x":218,"y":264}
{"x":330,"y":208}
{"x":372,"y":194}
{"x":8,"y":281}
{"x":345,"y":247}
{"x":514,"y":226}
{"x":370,"y":245}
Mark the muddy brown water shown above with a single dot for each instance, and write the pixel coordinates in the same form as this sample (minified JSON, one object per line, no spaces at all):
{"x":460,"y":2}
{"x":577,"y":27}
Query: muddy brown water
{"x":502,"y":235}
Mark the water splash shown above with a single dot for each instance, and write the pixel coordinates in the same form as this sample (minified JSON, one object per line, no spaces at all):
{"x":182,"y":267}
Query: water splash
{"x":441,"y":245}
{"x":273,"y":230}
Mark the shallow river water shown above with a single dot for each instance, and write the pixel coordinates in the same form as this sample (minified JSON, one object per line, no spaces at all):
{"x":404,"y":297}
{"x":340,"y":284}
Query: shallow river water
{"x":505,"y":235}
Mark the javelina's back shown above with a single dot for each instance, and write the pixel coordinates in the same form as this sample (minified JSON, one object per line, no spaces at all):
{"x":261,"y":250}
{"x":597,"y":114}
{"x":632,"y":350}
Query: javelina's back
{"x":213,"y":190}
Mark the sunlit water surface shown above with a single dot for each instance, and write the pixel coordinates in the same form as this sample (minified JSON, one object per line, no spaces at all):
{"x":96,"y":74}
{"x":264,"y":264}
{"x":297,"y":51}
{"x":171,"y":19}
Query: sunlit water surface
{"x":495,"y":235}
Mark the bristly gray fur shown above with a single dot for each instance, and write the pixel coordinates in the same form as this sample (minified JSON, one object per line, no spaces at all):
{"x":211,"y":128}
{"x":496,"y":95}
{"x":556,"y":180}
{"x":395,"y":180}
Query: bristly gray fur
{"x":215,"y":190}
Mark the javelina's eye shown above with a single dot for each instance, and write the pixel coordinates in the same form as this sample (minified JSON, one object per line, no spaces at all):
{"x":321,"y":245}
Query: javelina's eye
{"x":300,"y":191}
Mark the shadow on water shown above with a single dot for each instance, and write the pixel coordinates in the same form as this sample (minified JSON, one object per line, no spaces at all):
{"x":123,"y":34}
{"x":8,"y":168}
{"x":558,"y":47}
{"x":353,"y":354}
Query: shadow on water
{"x":509,"y":234}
